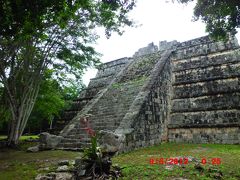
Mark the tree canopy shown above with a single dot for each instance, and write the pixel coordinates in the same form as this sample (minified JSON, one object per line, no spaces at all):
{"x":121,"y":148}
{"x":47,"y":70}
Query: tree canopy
{"x":39,"y":35}
{"x":221,"y":16}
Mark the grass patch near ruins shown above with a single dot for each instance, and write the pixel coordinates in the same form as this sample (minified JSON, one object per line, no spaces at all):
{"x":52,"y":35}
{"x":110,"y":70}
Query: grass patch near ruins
{"x":22,"y":138}
{"x":20,"y":165}
{"x":137,"y":165}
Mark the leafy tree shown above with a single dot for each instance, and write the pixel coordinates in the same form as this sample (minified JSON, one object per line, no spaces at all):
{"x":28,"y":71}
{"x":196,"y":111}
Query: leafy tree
{"x":38,"y":35}
{"x":4,"y":111}
{"x":220,"y":16}
{"x":50,"y":101}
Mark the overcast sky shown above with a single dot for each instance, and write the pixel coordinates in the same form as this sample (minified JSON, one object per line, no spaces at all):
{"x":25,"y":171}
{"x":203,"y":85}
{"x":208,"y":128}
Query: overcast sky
{"x":160,"y":20}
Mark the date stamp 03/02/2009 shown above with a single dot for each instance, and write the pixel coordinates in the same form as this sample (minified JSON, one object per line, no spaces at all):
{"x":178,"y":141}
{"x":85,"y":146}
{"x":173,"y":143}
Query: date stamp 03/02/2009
{"x":183,"y":161}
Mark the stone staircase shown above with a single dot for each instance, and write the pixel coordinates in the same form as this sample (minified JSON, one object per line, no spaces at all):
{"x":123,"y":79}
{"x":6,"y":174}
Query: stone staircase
{"x":69,"y":114}
{"x":113,"y":104}
{"x":105,"y":73}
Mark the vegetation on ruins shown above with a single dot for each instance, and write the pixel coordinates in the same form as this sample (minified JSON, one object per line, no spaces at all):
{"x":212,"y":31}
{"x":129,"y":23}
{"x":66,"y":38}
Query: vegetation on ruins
{"x":36,"y":36}
{"x":220,"y":16}
{"x":95,"y":163}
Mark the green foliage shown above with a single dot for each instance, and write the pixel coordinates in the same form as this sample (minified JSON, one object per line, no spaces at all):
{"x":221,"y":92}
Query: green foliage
{"x":221,"y":16}
{"x":93,"y":154}
{"x":36,"y":36}
{"x":66,"y":27}
{"x":51,"y":101}
{"x":4,"y":111}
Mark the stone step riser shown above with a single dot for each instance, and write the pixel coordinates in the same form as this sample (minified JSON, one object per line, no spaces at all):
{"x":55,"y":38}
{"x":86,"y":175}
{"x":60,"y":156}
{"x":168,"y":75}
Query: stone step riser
{"x":207,"y":74}
{"x":217,"y":102}
{"x":207,"y":88}
{"x":206,"y":61}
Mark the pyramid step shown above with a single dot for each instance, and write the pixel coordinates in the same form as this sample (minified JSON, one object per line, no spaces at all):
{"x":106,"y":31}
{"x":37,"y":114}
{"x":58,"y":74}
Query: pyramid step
{"x":78,"y":145}
{"x":84,"y":139}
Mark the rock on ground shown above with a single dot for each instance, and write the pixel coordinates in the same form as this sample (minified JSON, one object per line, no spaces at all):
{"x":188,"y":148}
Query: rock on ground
{"x":55,"y":176}
{"x":33,"y":149}
{"x":49,"y":141}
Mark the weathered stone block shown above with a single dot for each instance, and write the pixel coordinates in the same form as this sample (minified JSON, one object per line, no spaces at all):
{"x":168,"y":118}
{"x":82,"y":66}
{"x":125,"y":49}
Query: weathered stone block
{"x":221,"y":86}
{"x":207,"y":74}
{"x":216,"y":102}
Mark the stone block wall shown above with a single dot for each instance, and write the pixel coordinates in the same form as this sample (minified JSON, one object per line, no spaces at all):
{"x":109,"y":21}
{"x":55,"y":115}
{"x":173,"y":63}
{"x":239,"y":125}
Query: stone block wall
{"x":219,"y":135}
{"x":206,"y":92}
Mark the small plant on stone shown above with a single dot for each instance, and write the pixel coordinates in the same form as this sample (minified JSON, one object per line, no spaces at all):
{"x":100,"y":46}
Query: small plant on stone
{"x":94,"y":164}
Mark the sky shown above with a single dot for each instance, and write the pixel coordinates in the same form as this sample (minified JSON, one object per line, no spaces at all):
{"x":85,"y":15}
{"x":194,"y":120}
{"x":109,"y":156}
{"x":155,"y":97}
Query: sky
{"x":157,"y":20}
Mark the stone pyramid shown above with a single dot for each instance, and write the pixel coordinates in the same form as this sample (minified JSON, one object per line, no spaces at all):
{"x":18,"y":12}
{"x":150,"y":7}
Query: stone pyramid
{"x":177,"y":92}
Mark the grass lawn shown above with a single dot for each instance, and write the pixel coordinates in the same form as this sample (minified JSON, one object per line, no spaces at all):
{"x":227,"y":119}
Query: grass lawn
{"x":136,"y":164}
{"x":2,"y":137}
{"x":21,"y":165}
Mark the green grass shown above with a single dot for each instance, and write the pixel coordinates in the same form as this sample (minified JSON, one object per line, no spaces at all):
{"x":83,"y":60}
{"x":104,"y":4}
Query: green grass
{"x":2,"y":137}
{"x":137,"y":165}
{"x":21,"y":165}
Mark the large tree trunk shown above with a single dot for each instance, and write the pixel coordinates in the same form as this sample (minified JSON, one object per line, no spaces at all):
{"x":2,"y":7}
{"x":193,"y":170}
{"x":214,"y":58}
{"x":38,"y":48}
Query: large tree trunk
{"x":20,"y":116}
{"x":22,"y":63}
{"x":13,"y":136}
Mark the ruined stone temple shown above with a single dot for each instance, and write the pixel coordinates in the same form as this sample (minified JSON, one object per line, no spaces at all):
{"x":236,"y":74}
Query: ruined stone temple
{"x":177,"y":92}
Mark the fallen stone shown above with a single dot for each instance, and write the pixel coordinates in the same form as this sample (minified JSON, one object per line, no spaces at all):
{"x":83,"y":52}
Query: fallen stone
{"x":109,"y":141}
{"x":45,"y":177}
{"x":81,"y":172}
{"x":33,"y":149}
{"x":80,"y":167}
{"x":48,"y":141}
{"x":44,"y":169}
{"x":63,"y":168}
{"x":64,"y":176}
{"x":55,"y":176}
